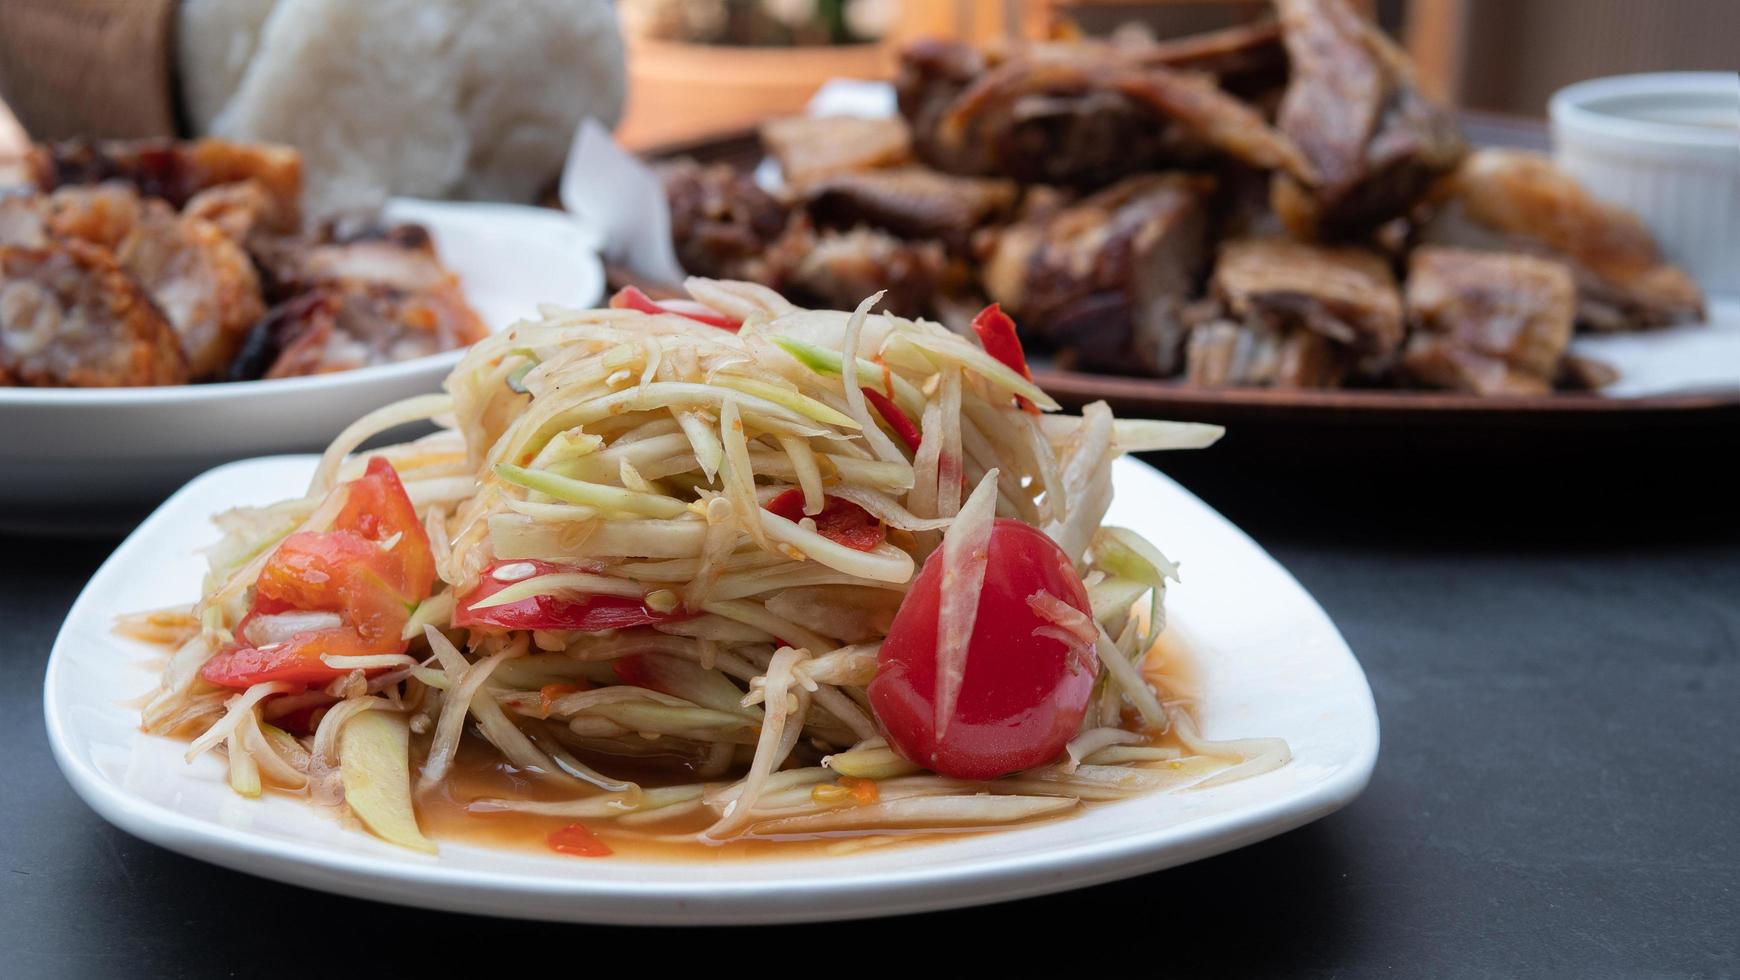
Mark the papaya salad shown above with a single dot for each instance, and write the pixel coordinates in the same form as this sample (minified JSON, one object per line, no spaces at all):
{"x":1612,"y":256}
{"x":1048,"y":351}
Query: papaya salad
{"x":703,"y":570}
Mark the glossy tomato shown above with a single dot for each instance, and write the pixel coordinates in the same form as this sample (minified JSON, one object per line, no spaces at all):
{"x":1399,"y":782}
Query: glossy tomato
{"x":841,"y":521}
{"x":1022,"y":697}
{"x":586,"y":613}
{"x":372,"y":569}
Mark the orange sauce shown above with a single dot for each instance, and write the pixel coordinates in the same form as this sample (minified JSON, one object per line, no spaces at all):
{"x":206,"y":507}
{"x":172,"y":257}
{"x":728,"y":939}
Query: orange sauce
{"x":479,"y":773}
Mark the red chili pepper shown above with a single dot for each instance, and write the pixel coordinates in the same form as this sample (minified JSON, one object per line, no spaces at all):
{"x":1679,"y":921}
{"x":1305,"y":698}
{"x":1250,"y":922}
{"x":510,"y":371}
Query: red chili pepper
{"x":575,"y":839}
{"x":631,"y":298}
{"x":897,"y":420}
{"x":589,"y":614}
{"x":841,"y":521}
{"x":996,"y":332}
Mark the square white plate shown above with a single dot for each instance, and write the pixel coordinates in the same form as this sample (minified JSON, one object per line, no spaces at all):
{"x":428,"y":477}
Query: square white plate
{"x":1269,"y":661}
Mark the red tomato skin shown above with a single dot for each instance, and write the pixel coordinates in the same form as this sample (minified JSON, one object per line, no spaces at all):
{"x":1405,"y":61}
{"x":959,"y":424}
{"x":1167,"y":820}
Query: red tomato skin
{"x":998,"y":336}
{"x":1023,"y":696}
{"x":335,"y":571}
{"x":841,"y":521}
{"x":296,"y":660}
{"x":904,"y":427}
{"x":631,"y":298}
{"x":590,"y":615}
{"x":377,"y":507}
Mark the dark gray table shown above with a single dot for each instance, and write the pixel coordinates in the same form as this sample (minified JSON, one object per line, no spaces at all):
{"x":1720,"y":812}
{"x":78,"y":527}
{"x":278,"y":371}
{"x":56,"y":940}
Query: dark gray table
{"x":1556,"y":658}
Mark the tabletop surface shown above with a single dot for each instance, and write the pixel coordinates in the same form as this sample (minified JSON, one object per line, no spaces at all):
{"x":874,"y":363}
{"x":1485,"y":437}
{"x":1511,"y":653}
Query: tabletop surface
{"x":1556,"y":661}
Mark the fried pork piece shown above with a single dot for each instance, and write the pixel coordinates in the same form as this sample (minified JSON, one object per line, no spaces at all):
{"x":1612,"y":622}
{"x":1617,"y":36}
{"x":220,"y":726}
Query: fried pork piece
{"x":1511,"y":200}
{"x":1074,"y":114}
{"x":342,"y":326}
{"x":1247,"y":59}
{"x":837,"y":269}
{"x":812,"y":147}
{"x":1106,"y":280}
{"x":243,"y":211}
{"x":201,"y":280}
{"x":176,"y":171}
{"x":22,"y":221}
{"x":70,"y":317}
{"x":911,"y":202}
{"x":1487,"y":322}
{"x":1346,"y":294}
{"x":356,"y":293}
{"x":1224,"y":354}
{"x":722,"y":224}
{"x":1352,"y":107}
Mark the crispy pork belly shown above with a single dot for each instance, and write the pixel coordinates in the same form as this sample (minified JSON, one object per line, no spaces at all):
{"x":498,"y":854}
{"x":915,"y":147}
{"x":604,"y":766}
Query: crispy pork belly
{"x":176,"y":171}
{"x":70,"y":317}
{"x":812,"y":147}
{"x":1247,"y":59}
{"x":242,"y":210}
{"x":1511,"y":200}
{"x":1072,"y":114}
{"x":196,"y":275}
{"x":1487,"y":322}
{"x":340,"y":326}
{"x":837,"y":269}
{"x":1105,"y":280}
{"x":911,"y":202}
{"x":23,"y":221}
{"x":1225,"y":354}
{"x":356,"y":293}
{"x":721,"y":223}
{"x":1346,"y":294}
{"x":1354,"y":110}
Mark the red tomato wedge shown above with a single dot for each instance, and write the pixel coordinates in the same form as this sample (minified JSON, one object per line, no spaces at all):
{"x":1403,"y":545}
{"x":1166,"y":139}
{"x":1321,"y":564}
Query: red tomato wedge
{"x":575,"y":839}
{"x":1022,"y":697}
{"x":378,"y":508}
{"x":296,"y":660}
{"x":589,"y":614}
{"x":902,"y":424}
{"x":996,"y":332}
{"x":334,"y":571}
{"x":631,"y":298}
{"x":372,"y":569}
{"x":841,"y":521}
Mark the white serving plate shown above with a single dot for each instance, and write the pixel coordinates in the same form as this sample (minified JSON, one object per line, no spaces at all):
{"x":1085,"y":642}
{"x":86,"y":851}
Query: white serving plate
{"x":1270,"y":661}
{"x":95,"y":460}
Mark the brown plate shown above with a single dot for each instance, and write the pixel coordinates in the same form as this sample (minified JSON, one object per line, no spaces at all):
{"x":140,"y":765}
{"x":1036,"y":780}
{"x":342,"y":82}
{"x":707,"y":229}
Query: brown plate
{"x":1354,"y":422}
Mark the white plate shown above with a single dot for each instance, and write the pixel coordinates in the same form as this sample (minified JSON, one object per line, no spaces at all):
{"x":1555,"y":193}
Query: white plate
{"x":1271,"y":663}
{"x":90,"y":460}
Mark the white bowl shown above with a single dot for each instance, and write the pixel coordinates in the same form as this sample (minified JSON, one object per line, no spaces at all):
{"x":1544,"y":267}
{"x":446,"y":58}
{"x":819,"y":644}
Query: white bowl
{"x":1268,"y":661}
{"x":1667,"y":146}
{"x":96,"y":460}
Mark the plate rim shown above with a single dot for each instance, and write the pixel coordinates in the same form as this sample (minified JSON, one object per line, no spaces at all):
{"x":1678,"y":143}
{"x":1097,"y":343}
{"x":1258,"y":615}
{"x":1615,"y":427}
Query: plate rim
{"x":422,"y":882}
{"x":455,"y":212}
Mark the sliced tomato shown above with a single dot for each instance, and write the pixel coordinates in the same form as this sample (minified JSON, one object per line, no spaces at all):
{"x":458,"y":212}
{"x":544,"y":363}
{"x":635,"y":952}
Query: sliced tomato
{"x":589,"y":614}
{"x":631,"y":298}
{"x":997,"y":334}
{"x":296,"y":660}
{"x":371,"y":569}
{"x":902,"y":424}
{"x":841,"y":521}
{"x":575,"y":839}
{"x":1023,"y":695}
{"x":335,"y":571}
{"x":378,"y":508}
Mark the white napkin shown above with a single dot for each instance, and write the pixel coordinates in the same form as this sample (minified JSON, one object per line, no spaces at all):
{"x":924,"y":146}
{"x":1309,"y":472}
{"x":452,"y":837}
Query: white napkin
{"x":619,"y":201}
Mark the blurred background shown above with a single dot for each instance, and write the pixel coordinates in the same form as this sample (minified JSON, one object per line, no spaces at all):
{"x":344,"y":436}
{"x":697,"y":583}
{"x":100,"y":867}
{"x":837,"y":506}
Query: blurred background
{"x":1504,"y":56}
{"x":699,"y":67}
